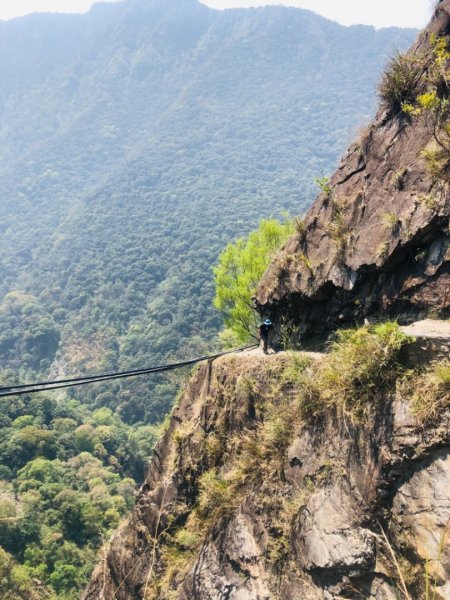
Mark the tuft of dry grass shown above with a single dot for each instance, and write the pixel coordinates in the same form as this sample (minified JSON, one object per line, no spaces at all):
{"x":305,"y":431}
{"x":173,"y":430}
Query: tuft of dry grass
{"x":429,"y":201}
{"x":391,"y":221}
{"x":437,"y":160}
{"x":361,"y":363}
{"x":338,"y":229}
{"x":429,"y":392}
{"x":399,"y":179}
{"x":399,"y":83}
{"x":300,"y":227}
{"x":217,"y":497}
{"x":307,"y":262}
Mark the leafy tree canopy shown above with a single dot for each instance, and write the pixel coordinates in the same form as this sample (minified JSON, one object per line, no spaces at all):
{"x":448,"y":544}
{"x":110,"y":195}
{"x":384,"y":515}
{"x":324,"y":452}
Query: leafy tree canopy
{"x":241,"y":266}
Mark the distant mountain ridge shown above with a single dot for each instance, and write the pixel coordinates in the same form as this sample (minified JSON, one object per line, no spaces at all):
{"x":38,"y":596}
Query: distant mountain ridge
{"x":136,"y":141}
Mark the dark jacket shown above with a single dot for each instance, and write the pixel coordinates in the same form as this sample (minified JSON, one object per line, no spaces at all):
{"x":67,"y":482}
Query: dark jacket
{"x":264,"y":330}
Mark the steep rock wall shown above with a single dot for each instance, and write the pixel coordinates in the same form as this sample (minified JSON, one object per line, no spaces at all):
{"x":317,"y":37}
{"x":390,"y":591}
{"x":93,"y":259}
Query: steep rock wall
{"x":376,"y":242}
{"x":303,"y":517}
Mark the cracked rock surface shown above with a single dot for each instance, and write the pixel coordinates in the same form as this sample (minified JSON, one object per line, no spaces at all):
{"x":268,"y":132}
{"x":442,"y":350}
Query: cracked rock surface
{"x":421,"y":507}
{"x":329,"y":536}
{"x":335,"y":479}
{"x":376,"y":242}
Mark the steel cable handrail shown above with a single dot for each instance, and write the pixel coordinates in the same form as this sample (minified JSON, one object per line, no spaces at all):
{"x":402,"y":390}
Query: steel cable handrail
{"x":40,"y":386}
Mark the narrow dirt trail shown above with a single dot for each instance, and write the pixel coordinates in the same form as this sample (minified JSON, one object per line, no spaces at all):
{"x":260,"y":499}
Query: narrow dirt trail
{"x":428,"y":328}
{"x":431,"y":335}
{"x":259,"y":352}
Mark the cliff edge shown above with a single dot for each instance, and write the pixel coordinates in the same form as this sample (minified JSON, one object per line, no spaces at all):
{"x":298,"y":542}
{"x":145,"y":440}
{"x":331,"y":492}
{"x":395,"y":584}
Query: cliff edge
{"x":376,"y":241}
{"x":268,"y":485}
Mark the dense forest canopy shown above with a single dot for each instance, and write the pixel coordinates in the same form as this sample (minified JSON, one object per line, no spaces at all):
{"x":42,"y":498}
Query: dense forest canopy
{"x":67,"y":476}
{"x":137,"y":141}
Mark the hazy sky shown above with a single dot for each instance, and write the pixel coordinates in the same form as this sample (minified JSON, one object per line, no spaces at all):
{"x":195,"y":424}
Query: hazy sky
{"x":381,"y":13}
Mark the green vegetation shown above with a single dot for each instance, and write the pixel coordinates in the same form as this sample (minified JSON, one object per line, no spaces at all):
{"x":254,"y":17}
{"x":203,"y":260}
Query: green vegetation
{"x":262,"y":448}
{"x":360,"y":366}
{"x":258,"y":453}
{"x":241,"y":266}
{"x":137,"y":141}
{"x":429,"y":391}
{"x":400,"y":83}
{"x":428,"y":200}
{"x":114,"y":212}
{"x":430,"y":103}
{"x":15,"y":581}
{"x":68,"y":476}
{"x":324,"y":184}
{"x":438,"y":161}
{"x":357,"y":374}
{"x":391,"y":221}
{"x":216,"y":497}
{"x":244,"y":458}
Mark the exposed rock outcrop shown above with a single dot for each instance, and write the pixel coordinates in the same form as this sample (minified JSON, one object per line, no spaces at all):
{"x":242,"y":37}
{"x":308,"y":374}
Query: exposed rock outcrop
{"x":376,"y":242}
{"x":431,"y":342}
{"x":296,"y":510}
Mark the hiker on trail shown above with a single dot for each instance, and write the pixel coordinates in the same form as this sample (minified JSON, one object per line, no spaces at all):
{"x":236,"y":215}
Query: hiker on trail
{"x":263,"y":333}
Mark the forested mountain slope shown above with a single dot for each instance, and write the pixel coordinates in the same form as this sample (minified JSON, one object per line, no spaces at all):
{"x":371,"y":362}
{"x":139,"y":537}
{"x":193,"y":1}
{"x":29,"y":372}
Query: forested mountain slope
{"x":136,"y":140}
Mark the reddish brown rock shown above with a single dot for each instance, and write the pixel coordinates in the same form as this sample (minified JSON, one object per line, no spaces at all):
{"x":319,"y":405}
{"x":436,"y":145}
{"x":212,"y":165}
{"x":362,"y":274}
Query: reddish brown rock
{"x":379,"y":244}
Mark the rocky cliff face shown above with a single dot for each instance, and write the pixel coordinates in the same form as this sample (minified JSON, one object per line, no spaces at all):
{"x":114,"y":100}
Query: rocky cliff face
{"x":376,"y":241}
{"x":257,"y":493}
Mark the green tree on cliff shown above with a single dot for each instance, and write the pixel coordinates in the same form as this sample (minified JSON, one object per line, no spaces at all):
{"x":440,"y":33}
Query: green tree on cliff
{"x":241,"y":265}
